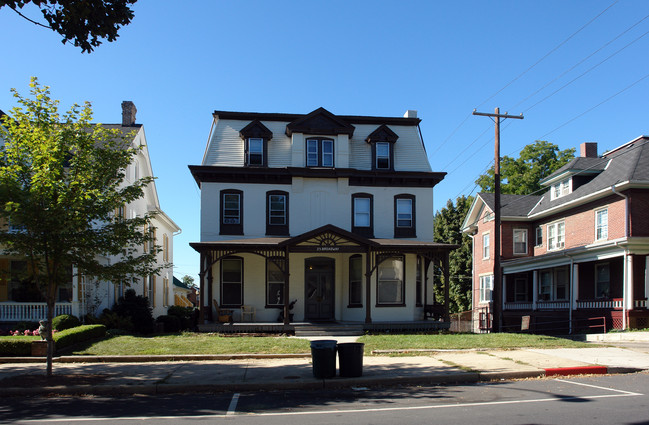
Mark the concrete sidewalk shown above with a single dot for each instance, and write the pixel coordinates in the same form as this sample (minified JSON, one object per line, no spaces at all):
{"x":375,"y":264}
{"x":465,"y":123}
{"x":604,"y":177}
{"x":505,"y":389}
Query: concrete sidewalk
{"x":169,"y":374}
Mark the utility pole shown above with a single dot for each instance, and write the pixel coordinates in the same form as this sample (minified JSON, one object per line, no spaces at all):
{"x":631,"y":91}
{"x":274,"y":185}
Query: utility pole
{"x":497,"y":294}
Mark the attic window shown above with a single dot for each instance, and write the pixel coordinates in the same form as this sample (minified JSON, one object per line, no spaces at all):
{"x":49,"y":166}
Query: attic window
{"x":256,"y":137}
{"x":561,"y":188}
{"x":382,"y":140}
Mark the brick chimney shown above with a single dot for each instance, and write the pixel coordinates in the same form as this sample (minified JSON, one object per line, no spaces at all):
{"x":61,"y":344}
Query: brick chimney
{"x":128,"y":113}
{"x":588,"y":150}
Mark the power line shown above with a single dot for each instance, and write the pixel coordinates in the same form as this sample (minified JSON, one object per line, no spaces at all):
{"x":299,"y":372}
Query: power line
{"x":547,"y":54}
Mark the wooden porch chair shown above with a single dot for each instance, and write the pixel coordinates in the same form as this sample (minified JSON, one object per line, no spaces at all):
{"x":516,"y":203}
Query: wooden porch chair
{"x":223,"y":315}
{"x":247,"y":311}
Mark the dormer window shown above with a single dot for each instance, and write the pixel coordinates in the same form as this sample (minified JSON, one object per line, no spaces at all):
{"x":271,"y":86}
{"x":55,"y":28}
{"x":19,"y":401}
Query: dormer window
{"x":382,"y":140}
{"x":560,"y":188}
{"x":320,"y":153}
{"x":255,"y":151}
{"x":256,"y":137}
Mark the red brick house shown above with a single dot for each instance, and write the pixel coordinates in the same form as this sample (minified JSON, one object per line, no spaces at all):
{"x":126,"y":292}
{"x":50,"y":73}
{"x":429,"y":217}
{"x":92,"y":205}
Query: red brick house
{"x":574,"y":258}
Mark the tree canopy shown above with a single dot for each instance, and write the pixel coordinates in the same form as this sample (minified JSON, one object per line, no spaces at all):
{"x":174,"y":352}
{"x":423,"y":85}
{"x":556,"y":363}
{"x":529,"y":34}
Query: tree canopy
{"x":447,"y":229}
{"x":521,"y":176}
{"x":62,"y":185}
{"x":83,"y":22}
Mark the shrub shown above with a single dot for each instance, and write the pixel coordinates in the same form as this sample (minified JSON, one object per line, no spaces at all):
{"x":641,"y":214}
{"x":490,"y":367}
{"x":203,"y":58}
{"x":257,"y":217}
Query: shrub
{"x":65,"y":321}
{"x":83,"y":333}
{"x":16,"y":346}
{"x":186,"y":315}
{"x":136,"y":307}
{"x":170,"y":323}
{"x":112,"y":320}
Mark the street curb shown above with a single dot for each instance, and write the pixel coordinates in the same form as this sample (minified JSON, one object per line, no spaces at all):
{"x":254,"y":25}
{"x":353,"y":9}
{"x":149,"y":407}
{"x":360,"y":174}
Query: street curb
{"x":576,"y":370}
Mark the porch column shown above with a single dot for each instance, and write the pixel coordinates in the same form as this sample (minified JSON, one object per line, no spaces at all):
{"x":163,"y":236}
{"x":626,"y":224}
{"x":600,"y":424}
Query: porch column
{"x":287,"y":317}
{"x":210,"y":295}
{"x":575,"y":286}
{"x":646,"y":281}
{"x":504,"y":294}
{"x":535,"y":288}
{"x":201,"y":289}
{"x":629,"y":292}
{"x":368,"y":286}
{"x":76,"y":285}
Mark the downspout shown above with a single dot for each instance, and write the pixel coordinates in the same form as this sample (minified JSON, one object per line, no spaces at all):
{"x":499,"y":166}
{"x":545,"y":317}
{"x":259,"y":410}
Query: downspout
{"x":626,"y":252}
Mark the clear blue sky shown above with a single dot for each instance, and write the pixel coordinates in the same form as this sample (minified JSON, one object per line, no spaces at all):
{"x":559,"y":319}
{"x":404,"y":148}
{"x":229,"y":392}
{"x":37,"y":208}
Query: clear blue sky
{"x":179,"y":61}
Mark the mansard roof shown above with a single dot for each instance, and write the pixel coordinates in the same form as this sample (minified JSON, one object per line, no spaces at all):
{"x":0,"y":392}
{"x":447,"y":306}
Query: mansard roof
{"x":320,"y":121}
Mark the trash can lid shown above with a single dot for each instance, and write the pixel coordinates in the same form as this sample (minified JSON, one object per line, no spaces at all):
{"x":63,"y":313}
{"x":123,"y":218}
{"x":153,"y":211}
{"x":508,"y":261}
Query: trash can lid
{"x":324,"y":343}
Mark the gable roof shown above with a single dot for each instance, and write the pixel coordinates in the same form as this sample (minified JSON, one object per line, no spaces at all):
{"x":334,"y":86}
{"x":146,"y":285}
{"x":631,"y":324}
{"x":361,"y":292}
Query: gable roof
{"x":513,"y":207}
{"x":626,"y":165}
{"x":382,"y":134}
{"x":577,"y":166}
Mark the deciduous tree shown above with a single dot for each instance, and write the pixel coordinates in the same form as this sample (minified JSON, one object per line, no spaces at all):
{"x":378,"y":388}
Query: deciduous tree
{"x":83,"y":22}
{"x":521,"y":176}
{"x":61,"y":184}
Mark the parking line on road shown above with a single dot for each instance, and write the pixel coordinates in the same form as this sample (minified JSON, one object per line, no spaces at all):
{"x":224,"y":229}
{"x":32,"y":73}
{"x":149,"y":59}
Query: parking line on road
{"x":232,"y":408}
{"x":598,"y":387}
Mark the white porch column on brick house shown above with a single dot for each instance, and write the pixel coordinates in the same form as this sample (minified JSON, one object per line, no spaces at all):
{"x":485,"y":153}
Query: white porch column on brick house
{"x":535,"y":288}
{"x":630,"y":299}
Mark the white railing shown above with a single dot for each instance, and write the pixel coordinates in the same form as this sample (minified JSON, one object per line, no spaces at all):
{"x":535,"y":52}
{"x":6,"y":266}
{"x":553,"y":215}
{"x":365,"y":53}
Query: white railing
{"x":518,"y":306}
{"x":601,"y":304}
{"x":30,"y":312}
{"x":641,"y":303}
{"x":553,"y":305}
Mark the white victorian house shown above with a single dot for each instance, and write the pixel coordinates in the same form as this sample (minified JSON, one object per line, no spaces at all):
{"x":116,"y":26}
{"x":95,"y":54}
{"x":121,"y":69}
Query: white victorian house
{"x":333,"y":212}
{"x":21,"y":301}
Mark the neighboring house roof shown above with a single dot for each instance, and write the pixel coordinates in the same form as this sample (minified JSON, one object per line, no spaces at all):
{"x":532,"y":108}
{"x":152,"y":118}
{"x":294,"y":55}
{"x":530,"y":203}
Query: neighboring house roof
{"x":513,"y":207}
{"x":626,"y":165}
{"x":179,"y":283}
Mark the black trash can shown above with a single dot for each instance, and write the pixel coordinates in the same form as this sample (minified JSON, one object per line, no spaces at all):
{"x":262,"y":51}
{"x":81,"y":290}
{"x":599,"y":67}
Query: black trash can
{"x":323,"y":357}
{"x":350,"y":359}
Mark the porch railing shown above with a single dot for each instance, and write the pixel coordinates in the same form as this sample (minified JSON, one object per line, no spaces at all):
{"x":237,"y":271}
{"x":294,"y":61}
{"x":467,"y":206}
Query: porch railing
{"x":30,"y":312}
{"x":518,"y":306}
{"x":615,"y":303}
{"x":553,"y":305}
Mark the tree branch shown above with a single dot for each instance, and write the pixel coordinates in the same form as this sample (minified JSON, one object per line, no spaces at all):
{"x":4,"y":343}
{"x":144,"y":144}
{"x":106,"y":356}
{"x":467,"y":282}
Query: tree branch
{"x":31,"y":20}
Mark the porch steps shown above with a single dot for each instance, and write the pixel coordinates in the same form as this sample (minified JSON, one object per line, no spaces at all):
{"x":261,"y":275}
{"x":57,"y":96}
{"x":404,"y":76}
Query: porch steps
{"x":328,"y":329}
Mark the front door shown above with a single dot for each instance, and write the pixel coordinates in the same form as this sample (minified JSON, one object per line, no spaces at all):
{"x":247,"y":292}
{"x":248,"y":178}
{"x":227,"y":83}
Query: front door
{"x":319,"y":289}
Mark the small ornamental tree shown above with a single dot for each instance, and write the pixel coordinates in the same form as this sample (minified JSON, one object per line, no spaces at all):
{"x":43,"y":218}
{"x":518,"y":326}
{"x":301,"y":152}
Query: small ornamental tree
{"x":61,"y":182}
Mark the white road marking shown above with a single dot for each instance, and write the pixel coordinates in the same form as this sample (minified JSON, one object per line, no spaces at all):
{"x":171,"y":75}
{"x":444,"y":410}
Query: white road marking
{"x":598,"y":387}
{"x":232,"y":408}
{"x":235,"y":398}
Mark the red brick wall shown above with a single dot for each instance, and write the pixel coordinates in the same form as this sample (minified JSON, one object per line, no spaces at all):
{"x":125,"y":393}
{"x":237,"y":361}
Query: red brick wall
{"x":639,"y":208}
{"x":482,"y":266}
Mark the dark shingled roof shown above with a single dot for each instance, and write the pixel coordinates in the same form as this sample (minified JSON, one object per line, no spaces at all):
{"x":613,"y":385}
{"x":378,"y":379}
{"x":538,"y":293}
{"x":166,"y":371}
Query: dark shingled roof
{"x":629,"y":163}
{"x":592,"y":165}
{"x":511,"y":205}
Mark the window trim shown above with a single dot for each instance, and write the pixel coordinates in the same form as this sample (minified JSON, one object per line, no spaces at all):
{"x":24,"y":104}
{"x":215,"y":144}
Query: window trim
{"x":486,"y":247}
{"x":405,"y":231}
{"x":221,"y":282}
{"x":366,"y":231}
{"x":562,"y":236}
{"x":486,"y":289}
{"x":230,"y":228}
{"x":597,"y":281}
{"x":538,"y":237}
{"x":403,"y":282}
{"x":563,"y":186}
{"x":603,"y":227}
{"x":277,"y":229}
{"x":264,"y":152}
{"x":524,"y":232}
{"x":320,"y":152}
{"x":350,"y":303}
{"x":375,"y":157}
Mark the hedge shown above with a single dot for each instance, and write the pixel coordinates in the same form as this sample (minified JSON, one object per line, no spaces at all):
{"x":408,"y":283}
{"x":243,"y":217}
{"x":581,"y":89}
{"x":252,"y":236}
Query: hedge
{"x":22,"y":345}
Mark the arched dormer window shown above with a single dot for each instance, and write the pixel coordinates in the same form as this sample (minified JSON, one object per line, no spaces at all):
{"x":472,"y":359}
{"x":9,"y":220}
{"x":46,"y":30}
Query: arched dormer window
{"x":256,"y":136}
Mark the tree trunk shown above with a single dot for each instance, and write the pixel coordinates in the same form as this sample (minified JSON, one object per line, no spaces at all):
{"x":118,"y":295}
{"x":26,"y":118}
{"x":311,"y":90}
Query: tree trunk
{"x":51,"y":302}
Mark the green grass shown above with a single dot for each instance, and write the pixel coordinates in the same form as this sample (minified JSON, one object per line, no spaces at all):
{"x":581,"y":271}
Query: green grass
{"x":192,"y":343}
{"x":465,"y":341}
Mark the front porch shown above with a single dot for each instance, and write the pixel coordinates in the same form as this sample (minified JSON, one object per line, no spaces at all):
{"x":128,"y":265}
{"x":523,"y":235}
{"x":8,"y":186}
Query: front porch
{"x":32,"y":311}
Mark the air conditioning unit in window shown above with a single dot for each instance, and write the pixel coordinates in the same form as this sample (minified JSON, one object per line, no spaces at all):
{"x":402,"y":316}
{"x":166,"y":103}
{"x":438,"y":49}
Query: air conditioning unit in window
{"x":561,"y":244}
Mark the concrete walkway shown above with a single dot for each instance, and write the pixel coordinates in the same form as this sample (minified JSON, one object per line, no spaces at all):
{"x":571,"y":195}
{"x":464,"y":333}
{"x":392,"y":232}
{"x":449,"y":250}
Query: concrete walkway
{"x":164,"y":374}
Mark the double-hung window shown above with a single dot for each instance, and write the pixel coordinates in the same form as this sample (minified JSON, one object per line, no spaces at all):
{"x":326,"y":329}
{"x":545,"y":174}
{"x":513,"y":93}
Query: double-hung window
{"x":404,"y":216}
{"x":382,"y":156}
{"x":486,"y":288}
{"x":601,"y":224}
{"x":362,"y":216}
{"x":277,"y":213}
{"x":320,"y":153}
{"x":390,"y":277}
{"x":602,"y":280}
{"x":520,"y":241}
{"x":486,"y":246}
{"x":255,"y":152}
{"x":560,"y":189}
{"x":556,"y":235}
{"x":231,"y":282}
{"x":554,"y":284}
{"x":231,"y":212}
{"x":539,"y":236}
